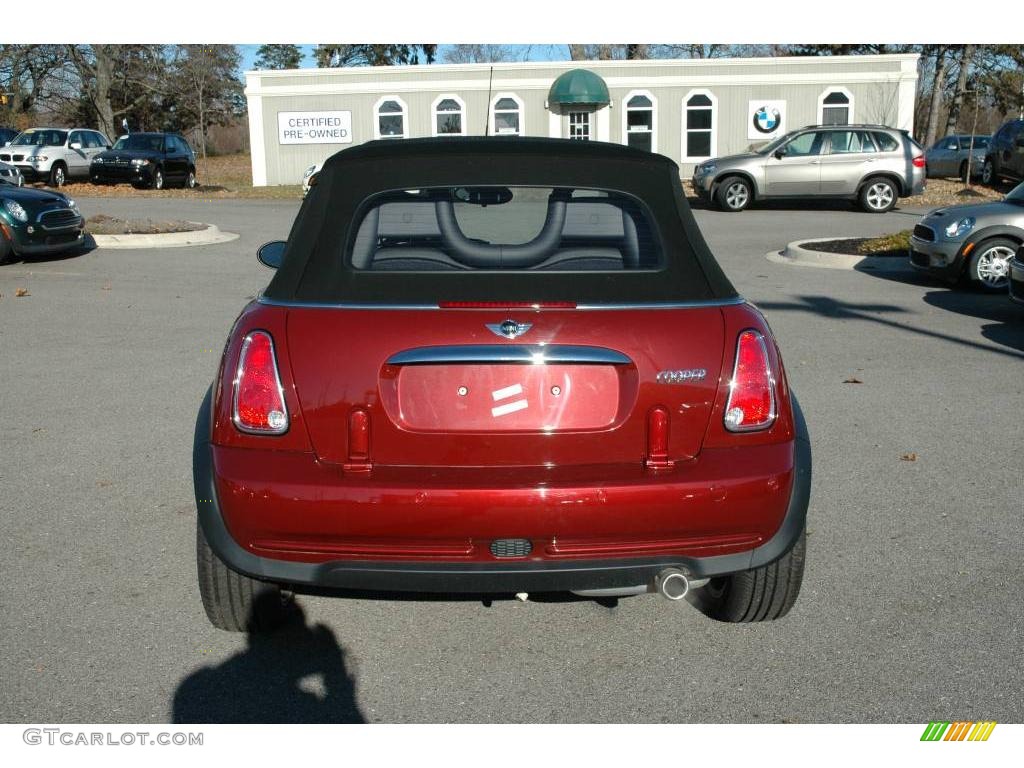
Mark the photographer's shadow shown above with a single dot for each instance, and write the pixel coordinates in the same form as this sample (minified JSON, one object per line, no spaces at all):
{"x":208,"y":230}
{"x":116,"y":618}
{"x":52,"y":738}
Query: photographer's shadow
{"x":295,"y":674}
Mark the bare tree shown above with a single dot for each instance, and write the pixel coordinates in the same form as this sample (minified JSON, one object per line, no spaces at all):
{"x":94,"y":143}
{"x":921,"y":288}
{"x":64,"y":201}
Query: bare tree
{"x":207,"y":78}
{"x":133,"y":72}
{"x":964,"y":65}
{"x":479,"y":53}
{"x":935,"y":105}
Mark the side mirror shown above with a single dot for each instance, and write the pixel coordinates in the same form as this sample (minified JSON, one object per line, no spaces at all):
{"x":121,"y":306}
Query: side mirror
{"x":779,"y":153}
{"x":1020,"y":141}
{"x":7,"y":143}
{"x":271,"y":254}
{"x":110,"y":146}
{"x":76,"y":145}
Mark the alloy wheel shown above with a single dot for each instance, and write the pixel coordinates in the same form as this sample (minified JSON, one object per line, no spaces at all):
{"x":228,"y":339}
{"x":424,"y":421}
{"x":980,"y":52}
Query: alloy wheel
{"x":737,"y":195}
{"x":158,"y":180}
{"x":994,"y":266}
{"x":58,"y":176}
{"x":987,"y":172}
{"x":880,"y":196}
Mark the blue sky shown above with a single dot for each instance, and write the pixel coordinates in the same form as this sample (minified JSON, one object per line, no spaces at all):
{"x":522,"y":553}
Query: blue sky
{"x":531,"y":53}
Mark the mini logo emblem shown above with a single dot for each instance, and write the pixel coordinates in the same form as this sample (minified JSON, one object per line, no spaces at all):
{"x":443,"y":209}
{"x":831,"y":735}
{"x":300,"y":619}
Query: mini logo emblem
{"x":510,"y":329}
{"x":680,"y":377}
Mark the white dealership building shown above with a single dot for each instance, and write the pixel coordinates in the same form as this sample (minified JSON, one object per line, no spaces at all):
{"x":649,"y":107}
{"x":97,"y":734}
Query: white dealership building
{"x":688,"y":109}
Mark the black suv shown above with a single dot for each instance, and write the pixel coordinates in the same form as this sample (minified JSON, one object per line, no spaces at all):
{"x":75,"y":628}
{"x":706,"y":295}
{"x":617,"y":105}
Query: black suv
{"x":146,"y":160}
{"x":1005,"y":157}
{"x":7,"y":134}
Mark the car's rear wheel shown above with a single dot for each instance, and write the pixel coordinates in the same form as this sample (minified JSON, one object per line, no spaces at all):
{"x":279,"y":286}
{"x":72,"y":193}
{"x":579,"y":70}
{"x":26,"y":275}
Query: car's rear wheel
{"x":734,"y":194}
{"x":233,"y":601}
{"x":190,"y":179}
{"x":989,"y":267}
{"x":58,"y":175}
{"x":988,"y":173}
{"x":878,"y":195}
{"x":760,"y":594}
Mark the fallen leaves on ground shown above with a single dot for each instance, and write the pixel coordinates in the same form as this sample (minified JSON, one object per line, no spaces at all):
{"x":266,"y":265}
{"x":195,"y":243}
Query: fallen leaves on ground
{"x":908,"y":457}
{"x":852,"y":380}
{"x":19,"y":292}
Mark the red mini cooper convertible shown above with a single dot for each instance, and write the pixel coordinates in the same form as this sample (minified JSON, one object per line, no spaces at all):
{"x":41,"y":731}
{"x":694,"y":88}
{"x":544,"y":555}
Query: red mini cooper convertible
{"x":499,"y":365}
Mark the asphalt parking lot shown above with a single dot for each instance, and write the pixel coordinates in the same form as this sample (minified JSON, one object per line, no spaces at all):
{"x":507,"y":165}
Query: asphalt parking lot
{"x":911,"y":607}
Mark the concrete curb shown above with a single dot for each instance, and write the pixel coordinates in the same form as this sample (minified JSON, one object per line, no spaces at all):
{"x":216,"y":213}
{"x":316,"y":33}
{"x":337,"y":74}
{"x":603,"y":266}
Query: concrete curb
{"x":796,"y":255}
{"x":208,"y":236}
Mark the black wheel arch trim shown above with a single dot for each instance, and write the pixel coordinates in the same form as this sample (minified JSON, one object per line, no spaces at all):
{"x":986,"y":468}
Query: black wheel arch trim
{"x":745,"y":175}
{"x":484,"y":577}
{"x":987,"y":233}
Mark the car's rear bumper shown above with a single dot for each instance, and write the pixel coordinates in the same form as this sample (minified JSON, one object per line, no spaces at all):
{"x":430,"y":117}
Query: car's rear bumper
{"x":447,"y":573}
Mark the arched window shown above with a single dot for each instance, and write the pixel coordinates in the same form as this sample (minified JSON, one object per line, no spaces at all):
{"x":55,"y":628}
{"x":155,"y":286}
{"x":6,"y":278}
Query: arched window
{"x":448,"y":116}
{"x":699,"y":119}
{"x":638,"y":121}
{"x":835,"y":107}
{"x":390,"y":118}
{"x":507,"y":115}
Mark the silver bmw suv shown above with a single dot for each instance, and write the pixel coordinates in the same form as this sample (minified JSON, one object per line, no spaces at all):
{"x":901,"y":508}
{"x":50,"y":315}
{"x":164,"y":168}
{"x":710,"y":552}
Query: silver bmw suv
{"x":871,"y":164}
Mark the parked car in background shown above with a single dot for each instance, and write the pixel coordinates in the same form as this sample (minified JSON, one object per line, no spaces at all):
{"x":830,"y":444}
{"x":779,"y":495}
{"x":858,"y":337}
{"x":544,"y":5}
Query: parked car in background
{"x":1017,"y":276}
{"x":11,"y":174}
{"x":54,"y":155}
{"x":6,"y":135}
{"x":866,"y":163}
{"x":146,"y":160}
{"x":975,"y":240}
{"x":952,"y":155}
{"x":35,"y":222}
{"x":1005,"y":158}
{"x":499,"y":365}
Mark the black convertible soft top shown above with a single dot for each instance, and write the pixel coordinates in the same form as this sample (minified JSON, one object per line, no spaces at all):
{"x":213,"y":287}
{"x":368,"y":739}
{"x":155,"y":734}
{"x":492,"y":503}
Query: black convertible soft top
{"x":314,"y":268}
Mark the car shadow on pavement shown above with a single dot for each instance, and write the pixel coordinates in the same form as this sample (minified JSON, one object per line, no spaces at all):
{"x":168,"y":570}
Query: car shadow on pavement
{"x":295,"y":674}
{"x":1006,"y":334}
{"x":1007,"y":327}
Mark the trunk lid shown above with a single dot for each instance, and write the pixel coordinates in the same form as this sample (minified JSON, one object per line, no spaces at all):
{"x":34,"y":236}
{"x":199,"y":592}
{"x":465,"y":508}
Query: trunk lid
{"x":443,"y":389}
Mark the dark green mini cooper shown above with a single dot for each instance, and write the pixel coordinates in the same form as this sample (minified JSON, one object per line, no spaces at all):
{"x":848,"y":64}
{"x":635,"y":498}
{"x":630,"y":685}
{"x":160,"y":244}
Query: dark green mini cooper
{"x":35,"y":222}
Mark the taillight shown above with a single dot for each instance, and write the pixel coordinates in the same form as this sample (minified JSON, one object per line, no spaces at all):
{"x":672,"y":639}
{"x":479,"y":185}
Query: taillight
{"x":751,"y":403}
{"x":918,"y":161}
{"x":259,"y":405}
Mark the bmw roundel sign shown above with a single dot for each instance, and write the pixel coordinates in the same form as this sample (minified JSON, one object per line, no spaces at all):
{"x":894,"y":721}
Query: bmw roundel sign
{"x":767,"y":119}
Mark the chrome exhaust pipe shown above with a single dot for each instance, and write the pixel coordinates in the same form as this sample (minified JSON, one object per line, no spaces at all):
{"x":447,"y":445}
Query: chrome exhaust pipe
{"x":672,"y":583}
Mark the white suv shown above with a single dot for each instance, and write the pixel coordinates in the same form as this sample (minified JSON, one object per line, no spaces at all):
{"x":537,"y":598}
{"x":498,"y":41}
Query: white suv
{"x":54,"y":155}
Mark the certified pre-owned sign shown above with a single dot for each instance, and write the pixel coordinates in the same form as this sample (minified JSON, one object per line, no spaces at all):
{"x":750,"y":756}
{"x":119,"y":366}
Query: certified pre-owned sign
{"x":314,"y":127}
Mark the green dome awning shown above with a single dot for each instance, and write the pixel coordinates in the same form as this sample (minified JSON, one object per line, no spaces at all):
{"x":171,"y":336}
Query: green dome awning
{"x":578,"y":86}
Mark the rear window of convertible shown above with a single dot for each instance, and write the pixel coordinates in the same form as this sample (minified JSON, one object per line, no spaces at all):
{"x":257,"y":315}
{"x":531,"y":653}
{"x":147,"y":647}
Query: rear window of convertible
{"x":503,"y":228}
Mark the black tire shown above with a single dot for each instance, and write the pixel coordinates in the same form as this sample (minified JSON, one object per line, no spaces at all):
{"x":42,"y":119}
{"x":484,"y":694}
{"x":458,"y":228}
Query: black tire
{"x":734,"y":194}
{"x":6,"y":249}
{"x":963,"y":172}
{"x":878,"y":195}
{"x":988,"y":173}
{"x":58,"y":175}
{"x":1001,"y":248}
{"x":233,"y":601}
{"x":190,"y":179}
{"x":760,"y":594}
{"x":157,"y":182}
